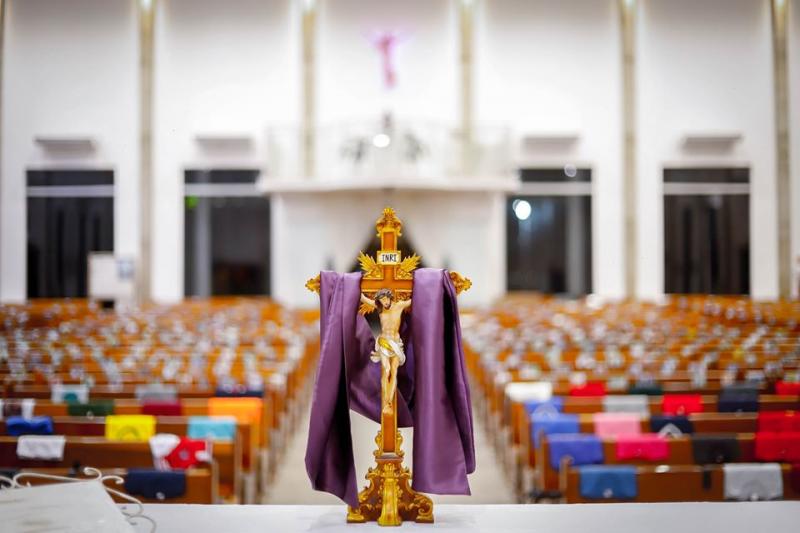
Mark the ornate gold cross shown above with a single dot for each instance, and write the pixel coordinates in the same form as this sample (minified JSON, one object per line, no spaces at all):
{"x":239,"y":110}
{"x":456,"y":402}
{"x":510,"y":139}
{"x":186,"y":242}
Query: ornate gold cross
{"x":389,"y":498}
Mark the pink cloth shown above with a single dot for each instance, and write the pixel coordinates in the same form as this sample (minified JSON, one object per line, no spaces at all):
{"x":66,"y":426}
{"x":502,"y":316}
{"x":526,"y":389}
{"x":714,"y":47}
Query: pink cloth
{"x":615,"y":424}
{"x":647,"y":447}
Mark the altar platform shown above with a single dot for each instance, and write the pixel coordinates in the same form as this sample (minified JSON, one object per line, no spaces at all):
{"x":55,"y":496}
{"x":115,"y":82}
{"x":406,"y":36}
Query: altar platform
{"x":595,"y":518}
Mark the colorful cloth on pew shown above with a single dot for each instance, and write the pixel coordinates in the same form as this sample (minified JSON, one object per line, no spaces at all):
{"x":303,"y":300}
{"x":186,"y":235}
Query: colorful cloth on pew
{"x":583,"y":449}
{"x":155,"y":484}
{"x":714,"y":449}
{"x":615,"y":424}
{"x":553,"y":424}
{"x":158,"y":392}
{"x":681,"y":404}
{"x":17,"y":407}
{"x":44,"y":447}
{"x":629,"y":403}
{"x":682,"y":423}
{"x":165,"y":408}
{"x":37,"y":425}
{"x":784,"y":447}
{"x":221,"y":428}
{"x":189,"y":452}
{"x":522,"y":391}
{"x":648,"y":389}
{"x":603,"y":482}
{"x":738,"y":401}
{"x":238,"y":392}
{"x":753,"y":481}
{"x":132,"y":428}
{"x":433,"y":391}
{"x":61,"y":393}
{"x":93,"y":408}
{"x":161,"y":444}
{"x":244,"y":410}
{"x":787,"y":388}
{"x":779,"y":421}
{"x":646,"y":447}
{"x":590,"y":388}
{"x":553,"y":405}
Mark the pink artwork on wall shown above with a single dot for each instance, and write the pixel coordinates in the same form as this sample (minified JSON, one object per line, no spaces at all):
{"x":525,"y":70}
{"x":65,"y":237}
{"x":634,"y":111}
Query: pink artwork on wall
{"x":386,"y":43}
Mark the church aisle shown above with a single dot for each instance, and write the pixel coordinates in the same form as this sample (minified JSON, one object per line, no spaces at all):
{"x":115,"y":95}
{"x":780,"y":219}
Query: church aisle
{"x":489,"y":486}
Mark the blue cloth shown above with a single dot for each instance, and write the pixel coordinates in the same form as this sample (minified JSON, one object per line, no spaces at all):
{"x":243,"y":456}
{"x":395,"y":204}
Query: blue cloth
{"x":657,"y":422}
{"x":204,"y":427}
{"x":584,"y":449}
{"x":738,"y":401}
{"x":556,"y":403}
{"x":553,"y":425}
{"x":155,"y":484}
{"x":38,"y":425}
{"x":608,"y":481}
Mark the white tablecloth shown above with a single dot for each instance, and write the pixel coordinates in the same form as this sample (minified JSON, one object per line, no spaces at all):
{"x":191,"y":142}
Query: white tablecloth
{"x":777,"y":517}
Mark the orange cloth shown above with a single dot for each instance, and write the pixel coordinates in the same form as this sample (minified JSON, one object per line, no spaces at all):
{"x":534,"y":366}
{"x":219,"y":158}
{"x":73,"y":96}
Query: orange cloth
{"x":244,"y":410}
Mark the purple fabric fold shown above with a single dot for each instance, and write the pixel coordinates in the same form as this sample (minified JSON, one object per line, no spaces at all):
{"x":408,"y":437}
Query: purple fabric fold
{"x":433,"y":392}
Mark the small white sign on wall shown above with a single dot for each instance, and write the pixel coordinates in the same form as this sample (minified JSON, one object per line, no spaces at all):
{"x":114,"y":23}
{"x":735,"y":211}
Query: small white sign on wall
{"x":111,"y":277}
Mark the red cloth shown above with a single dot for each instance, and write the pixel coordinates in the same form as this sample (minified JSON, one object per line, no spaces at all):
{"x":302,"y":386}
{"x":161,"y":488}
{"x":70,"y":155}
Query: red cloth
{"x":681,"y":404}
{"x":162,"y":409}
{"x":590,"y":388}
{"x":778,"y":421}
{"x":783,"y":447}
{"x":646,"y":447}
{"x":188,"y":453}
{"x":786,"y":388}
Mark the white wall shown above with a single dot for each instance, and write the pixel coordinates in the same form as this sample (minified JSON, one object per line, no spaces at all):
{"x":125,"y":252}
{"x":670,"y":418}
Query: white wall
{"x":350,"y":79}
{"x":69,"y":69}
{"x":223,"y":68}
{"x":794,"y":135}
{"x":553,"y":67}
{"x":705,"y":66}
{"x":458,"y":230}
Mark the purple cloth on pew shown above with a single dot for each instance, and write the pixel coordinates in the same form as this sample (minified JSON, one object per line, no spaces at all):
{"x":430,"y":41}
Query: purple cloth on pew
{"x":556,"y":403}
{"x":584,"y":449}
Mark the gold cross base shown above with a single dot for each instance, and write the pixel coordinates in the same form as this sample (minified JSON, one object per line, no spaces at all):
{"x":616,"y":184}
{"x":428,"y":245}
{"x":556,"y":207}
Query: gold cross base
{"x":389,"y":498}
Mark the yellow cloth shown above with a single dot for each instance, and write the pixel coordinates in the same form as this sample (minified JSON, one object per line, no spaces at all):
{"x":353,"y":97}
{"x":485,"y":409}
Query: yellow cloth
{"x":244,"y":410}
{"x":132,"y":428}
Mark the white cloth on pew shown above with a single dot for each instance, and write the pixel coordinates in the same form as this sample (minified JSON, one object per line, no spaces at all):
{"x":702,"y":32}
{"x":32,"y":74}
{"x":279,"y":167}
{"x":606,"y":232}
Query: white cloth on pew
{"x":520,"y":391}
{"x":627,"y":403}
{"x":47,"y":447}
{"x":161,"y":444}
{"x":60,"y":393}
{"x":156,"y":392}
{"x":28,"y":406}
{"x":753,"y":481}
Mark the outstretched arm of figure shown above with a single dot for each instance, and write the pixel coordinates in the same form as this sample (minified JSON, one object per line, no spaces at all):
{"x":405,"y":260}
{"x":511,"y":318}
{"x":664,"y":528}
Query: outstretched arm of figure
{"x":404,"y":304}
{"x":367,"y":301}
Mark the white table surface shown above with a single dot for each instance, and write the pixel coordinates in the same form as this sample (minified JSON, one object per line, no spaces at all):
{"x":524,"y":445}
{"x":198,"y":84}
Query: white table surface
{"x":776,"y":517}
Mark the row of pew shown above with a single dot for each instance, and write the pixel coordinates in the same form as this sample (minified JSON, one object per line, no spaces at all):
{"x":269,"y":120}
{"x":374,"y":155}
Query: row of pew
{"x":688,"y":399}
{"x":189,"y":403}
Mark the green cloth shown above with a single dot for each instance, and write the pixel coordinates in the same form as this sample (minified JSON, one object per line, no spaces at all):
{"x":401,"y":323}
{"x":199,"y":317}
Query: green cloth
{"x":93,"y":408}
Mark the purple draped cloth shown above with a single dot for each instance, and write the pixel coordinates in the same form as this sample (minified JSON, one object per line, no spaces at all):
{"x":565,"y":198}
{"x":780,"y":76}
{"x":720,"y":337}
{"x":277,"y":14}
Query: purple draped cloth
{"x":432,"y":389}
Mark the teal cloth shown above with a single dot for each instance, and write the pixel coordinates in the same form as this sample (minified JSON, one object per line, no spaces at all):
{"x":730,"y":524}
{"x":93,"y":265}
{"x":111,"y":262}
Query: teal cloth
{"x":205,"y":427}
{"x":608,"y":481}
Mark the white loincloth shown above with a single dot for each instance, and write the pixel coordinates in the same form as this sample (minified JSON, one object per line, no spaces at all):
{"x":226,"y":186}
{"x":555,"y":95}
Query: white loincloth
{"x":388,"y":348}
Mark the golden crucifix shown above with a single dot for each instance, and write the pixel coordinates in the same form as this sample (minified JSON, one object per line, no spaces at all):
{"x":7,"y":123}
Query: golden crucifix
{"x":386,"y":286}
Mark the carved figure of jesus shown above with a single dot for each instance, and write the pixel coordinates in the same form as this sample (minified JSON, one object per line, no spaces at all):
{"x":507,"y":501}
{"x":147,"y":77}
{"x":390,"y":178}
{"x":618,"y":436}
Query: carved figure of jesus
{"x":386,"y":43}
{"x":388,"y":346}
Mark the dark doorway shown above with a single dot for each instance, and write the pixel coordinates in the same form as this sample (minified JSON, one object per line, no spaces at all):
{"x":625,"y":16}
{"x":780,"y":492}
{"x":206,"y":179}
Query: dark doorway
{"x":706,"y":231}
{"x":70,"y":214}
{"x":549,"y":233}
{"x":227,"y":234}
